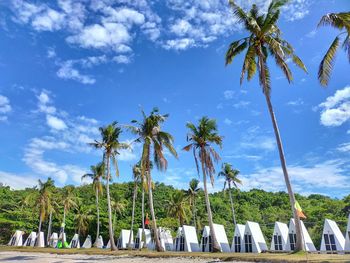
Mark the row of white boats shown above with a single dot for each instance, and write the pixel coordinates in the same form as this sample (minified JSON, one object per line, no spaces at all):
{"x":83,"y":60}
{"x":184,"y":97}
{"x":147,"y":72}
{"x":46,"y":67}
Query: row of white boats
{"x":247,"y":238}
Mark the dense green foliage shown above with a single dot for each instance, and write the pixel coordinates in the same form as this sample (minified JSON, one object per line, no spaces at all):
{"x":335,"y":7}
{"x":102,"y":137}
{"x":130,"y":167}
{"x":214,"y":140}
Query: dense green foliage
{"x":254,"y":205}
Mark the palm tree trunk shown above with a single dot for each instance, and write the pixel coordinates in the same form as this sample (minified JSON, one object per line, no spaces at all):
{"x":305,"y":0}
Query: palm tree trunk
{"x":132,"y":214}
{"x":159,"y":248}
{"x":143,"y":236}
{"x":194,"y":211}
{"x":232,"y":207}
{"x":110,"y":226}
{"x":39,"y":230}
{"x":98,"y":219}
{"x":63,"y":227}
{"x":49,"y":229}
{"x":300,"y":245}
{"x":215,"y":244}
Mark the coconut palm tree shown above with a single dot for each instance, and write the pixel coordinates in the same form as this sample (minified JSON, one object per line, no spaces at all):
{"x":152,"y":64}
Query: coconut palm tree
{"x":82,"y":218}
{"x":110,"y":146}
{"x":178,"y":207}
{"x":97,"y":173}
{"x":52,"y":210}
{"x":339,"y":21}
{"x":192,"y":193}
{"x":231,"y":179}
{"x":136,"y":172}
{"x":41,"y":198}
{"x":264,"y":40}
{"x":69,"y":201}
{"x":201,"y":138}
{"x":154,"y":140}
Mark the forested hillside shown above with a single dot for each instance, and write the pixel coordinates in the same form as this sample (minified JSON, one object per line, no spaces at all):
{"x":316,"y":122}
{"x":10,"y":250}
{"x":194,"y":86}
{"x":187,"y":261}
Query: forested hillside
{"x":254,"y":205}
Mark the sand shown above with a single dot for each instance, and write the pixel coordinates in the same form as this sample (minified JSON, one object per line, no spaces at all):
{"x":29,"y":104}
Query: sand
{"x":29,"y":257}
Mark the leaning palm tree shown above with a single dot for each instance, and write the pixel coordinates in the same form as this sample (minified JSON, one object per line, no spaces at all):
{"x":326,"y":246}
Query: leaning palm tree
{"x":339,"y":21}
{"x":201,"y":138}
{"x":41,"y":198}
{"x":192,"y":193}
{"x":136,"y":172}
{"x":264,"y":40}
{"x":178,"y":207}
{"x":97,"y":173}
{"x":231,"y":179}
{"x":68,"y":201}
{"x":154,"y":140}
{"x":110,"y":146}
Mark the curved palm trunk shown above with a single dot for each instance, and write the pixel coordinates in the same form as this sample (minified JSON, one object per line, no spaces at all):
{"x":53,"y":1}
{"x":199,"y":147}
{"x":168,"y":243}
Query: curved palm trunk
{"x":49,"y":229}
{"x":300,"y":245}
{"x":215,"y":244}
{"x":132,"y":214}
{"x":39,"y":230}
{"x":232,"y":207}
{"x":98,"y":219}
{"x":110,"y":226}
{"x":159,"y":248}
{"x":143,"y":237}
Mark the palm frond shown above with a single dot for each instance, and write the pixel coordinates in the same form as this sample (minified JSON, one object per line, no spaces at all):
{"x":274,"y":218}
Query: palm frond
{"x":326,"y":65}
{"x":235,"y":50}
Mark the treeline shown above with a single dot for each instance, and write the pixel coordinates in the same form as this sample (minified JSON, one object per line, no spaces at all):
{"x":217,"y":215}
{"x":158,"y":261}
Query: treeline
{"x":254,"y":205}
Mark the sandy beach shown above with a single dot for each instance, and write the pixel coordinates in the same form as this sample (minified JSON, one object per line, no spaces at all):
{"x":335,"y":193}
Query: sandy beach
{"x":12,"y":256}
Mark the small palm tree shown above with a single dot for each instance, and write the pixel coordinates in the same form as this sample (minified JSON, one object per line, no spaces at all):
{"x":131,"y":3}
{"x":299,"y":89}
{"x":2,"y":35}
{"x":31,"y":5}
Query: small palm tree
{"x":178,"y":207}
{"x":118,"y":207}
{"x":201,"y":138}
{"x":97,"y":173}
{"x":339,"y":21}
{"x":41,"y":198}
{"x":154,"y":140}
{"x":82,"y":218}
{"x":110,"y":146}
{"x":192,"y":193}
{"x":69,"y":201}
{"x":264,"y":40}
{"x":231,"y":179}
{"x":136,"y":172}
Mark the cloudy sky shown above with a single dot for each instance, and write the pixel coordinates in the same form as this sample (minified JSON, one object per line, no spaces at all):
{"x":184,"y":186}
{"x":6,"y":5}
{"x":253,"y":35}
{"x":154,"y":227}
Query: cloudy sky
{"x":70,"y":66}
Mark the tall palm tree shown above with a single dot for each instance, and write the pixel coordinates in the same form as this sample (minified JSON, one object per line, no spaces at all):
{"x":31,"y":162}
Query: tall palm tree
{"x":68,"y":201}
{"x":82,"y":218}
{"x":339,"y":21}
{"x":231,"y":179}
{"x":97,"y":173}
{"x":42,"y":200}
{"x":136,"y":172}
{"x":110,"y":146}
{"x":264,"y":40}
{"x":154,"y":140}
{"x":178,"y":207}
{"x":201,"y":139}
{"x":52,"y":210}
{"x":192,"y":193}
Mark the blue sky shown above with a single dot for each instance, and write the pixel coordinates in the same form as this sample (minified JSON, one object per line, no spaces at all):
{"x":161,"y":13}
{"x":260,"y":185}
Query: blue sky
{"x":68,"y":67}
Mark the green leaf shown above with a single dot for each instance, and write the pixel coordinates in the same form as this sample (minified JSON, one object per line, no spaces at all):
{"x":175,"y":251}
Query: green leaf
{"x":326,"y":65}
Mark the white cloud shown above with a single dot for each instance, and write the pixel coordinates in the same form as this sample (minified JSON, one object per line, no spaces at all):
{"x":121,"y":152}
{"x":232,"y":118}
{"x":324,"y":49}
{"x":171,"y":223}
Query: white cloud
{"x":66,"y":71}
{"x":297,"y":102}
{"x":227,"y":121}
{"x":228,"y":94}
{"x":5,"y":108}
{"x":255,"y":138}
{"x":241,"y":104}
{"x":16,"y":181}
{"x":55,"y":123}
{"x":49,"y":20}
{"x":336,"y":109}
{"x":179,"y":44}
{"x":345,"y":147}
{"x":323,"y":177}
{"x":122,"y":59}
